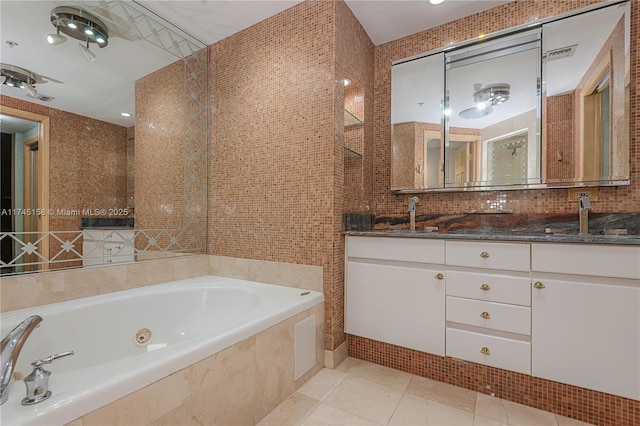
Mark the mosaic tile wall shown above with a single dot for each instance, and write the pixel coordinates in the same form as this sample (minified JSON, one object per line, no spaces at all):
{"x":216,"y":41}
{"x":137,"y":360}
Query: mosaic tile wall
{"x":614,"y":199}
{"x":88,"y":169}
{"x":276,"y":147}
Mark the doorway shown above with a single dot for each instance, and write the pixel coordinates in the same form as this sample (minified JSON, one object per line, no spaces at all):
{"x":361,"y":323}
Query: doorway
{"x":24,"y":190}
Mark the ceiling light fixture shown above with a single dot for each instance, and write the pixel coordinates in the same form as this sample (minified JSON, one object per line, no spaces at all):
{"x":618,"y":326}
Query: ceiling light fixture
{"x":78,"y":24}
{"x":436,"y":1}
{"x":56,"y":39}
{"x":86,"y":52}
{"x":492,"y":94}
{"x":475,"y":112}
{"x":13,"y":76}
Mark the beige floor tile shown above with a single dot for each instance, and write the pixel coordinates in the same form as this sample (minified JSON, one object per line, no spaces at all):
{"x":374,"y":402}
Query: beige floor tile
{"x":348,"y":364}
{"x":366,"y":399}
{"x":326,"y":415}
{"x":395,"y":379}
{"x":483,"y":421}
{"x":293,"y":411}
{"x":443,"y":393}
{"x":322,"y":384}
{"x":566,"y":421}
{"x":521,"y":415}
{"x":491,"y":408}
{"x":414,"y":410}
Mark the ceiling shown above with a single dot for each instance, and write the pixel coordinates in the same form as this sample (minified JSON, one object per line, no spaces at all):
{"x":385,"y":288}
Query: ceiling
{"x":104,"y":88}
{"x":383,"y":20}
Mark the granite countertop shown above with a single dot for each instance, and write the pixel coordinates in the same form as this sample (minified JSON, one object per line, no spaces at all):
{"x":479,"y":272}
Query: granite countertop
{"x":550,"y":238}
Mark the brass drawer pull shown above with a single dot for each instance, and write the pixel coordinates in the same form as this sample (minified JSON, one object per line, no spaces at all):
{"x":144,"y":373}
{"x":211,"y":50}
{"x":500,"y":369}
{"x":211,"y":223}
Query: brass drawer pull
{"x":485,"y":287}
{"x":485,"y":351}
{"x":539,"y":285}
{"x":440,"y":276}
{"x":484,"y":255}
{"x":485,"y":315}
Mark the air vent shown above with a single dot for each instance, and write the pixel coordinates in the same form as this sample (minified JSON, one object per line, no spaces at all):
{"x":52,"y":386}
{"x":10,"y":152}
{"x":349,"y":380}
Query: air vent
{"x":41,"y":97}
{"x":562,"y":52}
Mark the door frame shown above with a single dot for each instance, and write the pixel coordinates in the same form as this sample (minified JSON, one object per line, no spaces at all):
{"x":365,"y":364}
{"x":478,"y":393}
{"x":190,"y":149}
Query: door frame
{"x":43,"y":178}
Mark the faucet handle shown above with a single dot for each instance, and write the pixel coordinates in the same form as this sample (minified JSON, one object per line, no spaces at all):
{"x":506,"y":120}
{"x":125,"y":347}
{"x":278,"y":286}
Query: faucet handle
{"x":37,"y":382}
{"x":50,"y":358}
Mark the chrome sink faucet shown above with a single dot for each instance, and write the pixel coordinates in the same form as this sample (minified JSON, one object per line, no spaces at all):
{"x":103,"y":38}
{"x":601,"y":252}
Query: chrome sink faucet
{"x":412,"y":212}
{"x":583,"y":212}
{"x":10,"y":350}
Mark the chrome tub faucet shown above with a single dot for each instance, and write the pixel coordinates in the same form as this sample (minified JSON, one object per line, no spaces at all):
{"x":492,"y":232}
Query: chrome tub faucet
{"x":10,"y":350}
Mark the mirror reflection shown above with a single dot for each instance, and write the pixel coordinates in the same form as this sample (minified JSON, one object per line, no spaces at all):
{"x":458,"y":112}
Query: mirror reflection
{"x":586,"y":97}
{"x":82,"y":184}
{"x":545,"y":107}
{"x":492,"y":113}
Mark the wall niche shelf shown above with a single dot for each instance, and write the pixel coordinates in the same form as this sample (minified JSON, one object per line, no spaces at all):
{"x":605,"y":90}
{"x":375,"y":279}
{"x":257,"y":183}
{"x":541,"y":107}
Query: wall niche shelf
{"x":350,"y":119}
{"x":349,"y":153}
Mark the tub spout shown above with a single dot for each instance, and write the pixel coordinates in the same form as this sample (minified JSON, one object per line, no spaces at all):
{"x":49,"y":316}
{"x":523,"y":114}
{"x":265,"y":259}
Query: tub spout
{"x":10,"y":350}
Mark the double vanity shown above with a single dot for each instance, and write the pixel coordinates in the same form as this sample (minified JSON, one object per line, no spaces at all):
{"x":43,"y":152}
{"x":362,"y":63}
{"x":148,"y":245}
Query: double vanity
{"x":562,"y":308}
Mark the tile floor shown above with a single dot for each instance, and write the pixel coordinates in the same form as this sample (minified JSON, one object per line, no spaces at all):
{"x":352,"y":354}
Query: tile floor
{"x":361,"y":393}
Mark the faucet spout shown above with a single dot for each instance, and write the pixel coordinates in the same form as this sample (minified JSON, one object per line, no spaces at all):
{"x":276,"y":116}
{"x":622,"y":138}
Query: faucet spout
{"x":583,"y":213}
{"x":412,"y":212}
{"x":10,"y":350}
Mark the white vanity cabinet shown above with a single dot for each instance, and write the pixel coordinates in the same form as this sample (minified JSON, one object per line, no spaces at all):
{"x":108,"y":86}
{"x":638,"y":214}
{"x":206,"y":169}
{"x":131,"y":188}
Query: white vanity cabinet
{"x":106,"y":246}
{"x":395,"y":290}
{"x":488,"y":303}
{"x":586,"y":316}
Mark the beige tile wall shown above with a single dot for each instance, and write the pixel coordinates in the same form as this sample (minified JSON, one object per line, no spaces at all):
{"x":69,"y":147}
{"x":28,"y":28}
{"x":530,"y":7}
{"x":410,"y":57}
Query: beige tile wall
{"x":239,"y":385}
{"x":42,"y":288}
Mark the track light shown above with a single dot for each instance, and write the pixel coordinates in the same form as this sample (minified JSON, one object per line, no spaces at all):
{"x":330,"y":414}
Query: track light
{"x":30,"y":89}
{"x":86,"y":52}
{"x":56,"y":39}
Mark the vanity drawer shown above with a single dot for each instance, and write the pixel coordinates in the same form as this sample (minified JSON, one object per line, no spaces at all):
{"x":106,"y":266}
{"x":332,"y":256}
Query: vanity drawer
{"x":491,"y":255}
{"x":499,"y":352}
{"x":396,"y":249}
{"x":491,"y":315}
{"x":514,"y":289}
{"x":587,"y":259}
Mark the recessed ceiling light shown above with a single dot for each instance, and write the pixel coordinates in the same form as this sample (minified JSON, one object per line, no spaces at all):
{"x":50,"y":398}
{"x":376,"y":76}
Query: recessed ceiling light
{"x":125,"y":114}
{"x":435,"y":1}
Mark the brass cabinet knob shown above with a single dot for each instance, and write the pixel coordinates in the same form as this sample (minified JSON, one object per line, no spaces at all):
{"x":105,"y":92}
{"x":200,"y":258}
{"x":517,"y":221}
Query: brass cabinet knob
{"x":484,"y":255}
{"x":485,"y":287}
{"x":440,"y":276}
{"x":538,"y":284}
{"x":485,"y":315}
{"x":485,"y":351}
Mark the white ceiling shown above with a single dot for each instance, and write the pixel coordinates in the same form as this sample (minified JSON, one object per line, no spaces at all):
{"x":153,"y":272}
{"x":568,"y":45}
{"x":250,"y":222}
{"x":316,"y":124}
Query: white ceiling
{"x":104,"y":88}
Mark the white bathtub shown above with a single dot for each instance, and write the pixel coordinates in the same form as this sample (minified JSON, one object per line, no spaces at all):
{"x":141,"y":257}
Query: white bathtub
{"x":189,"y":321}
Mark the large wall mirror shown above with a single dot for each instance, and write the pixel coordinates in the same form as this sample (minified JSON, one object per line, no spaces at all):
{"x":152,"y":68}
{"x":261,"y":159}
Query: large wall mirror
{"x":533,"y":107}
{"x":104,"y":136}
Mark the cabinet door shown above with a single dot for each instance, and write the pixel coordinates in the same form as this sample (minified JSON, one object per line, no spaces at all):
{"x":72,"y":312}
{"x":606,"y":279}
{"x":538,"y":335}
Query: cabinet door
{"x":587,"y":334}
{"x":400,"y":305}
